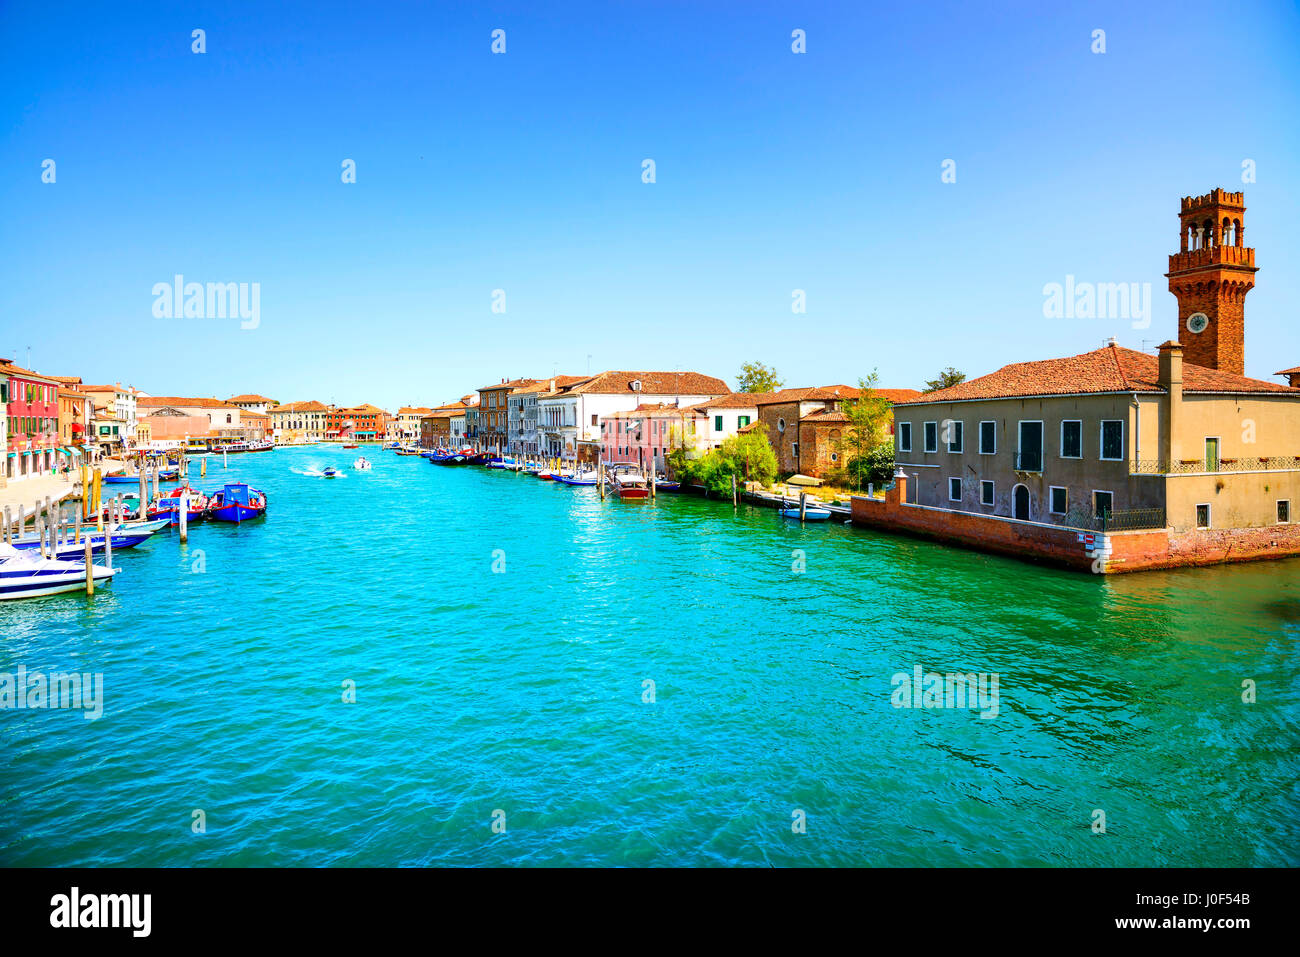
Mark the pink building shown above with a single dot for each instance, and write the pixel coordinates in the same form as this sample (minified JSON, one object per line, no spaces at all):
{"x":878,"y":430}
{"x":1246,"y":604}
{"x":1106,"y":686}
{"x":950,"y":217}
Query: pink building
{"x":32,"y":405}
{"x":645,"y":435}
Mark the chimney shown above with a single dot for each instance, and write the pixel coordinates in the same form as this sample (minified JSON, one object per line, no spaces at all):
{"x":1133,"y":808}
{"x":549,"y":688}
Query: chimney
{"x":1170,"y":378}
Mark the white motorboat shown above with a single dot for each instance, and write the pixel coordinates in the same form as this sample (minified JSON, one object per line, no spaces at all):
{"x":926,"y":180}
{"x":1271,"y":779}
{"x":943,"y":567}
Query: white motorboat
{"x":24,"y":575}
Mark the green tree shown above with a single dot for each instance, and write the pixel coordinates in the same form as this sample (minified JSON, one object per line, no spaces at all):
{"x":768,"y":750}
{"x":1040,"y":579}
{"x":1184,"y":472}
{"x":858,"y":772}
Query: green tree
{"x":876,"y":467}
{"x":868,"y":417}
{"x":947,"y":378}
{"x":748,"y":456}
{"x":756,"y":377}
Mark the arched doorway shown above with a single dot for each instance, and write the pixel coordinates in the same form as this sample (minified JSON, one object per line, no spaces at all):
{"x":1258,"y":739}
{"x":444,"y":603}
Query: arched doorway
{"x":1020,"y":497}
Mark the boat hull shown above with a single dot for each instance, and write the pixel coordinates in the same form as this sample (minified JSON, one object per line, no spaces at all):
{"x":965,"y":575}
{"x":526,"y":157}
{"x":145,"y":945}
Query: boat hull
{"x":236,"y":513}
{"x":36,"y":583}
{"x":810,"y":514}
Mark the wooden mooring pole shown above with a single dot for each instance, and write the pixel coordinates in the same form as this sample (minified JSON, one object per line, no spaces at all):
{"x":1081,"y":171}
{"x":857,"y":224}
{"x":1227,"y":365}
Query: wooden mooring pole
{"x":90,"y":570}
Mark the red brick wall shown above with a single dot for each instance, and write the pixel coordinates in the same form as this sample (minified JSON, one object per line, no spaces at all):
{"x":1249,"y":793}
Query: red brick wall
{"x":1122,"y":552}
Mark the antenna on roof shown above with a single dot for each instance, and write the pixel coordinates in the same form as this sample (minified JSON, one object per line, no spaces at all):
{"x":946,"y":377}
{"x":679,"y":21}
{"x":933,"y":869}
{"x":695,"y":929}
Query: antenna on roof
{"x":1110,"y":341}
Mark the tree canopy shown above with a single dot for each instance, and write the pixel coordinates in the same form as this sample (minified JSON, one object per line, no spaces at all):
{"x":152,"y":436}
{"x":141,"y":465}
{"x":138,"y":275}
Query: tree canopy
{"x":947,"y":378}
{"x":748,"y":456}
{"x":756,"y":377}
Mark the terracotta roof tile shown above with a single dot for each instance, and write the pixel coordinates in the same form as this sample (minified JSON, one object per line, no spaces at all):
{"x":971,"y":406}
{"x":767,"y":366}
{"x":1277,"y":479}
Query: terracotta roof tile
{"x":193,"y":402}
{"x":1108,"y":369}
{"x":653,"y":383}
{"x":735,"y":400}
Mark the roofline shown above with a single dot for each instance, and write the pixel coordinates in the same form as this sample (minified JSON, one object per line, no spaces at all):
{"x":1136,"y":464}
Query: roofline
{"x":1039,"y":395}
{"x":1075,"y":395}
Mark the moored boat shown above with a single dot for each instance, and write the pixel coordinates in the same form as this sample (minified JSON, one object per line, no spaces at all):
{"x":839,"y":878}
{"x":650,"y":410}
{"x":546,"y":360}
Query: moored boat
{"x":811,"y":513}
{"x":27,"y":575}
{"x":237,"y":502}
{"x":168,"y":507}
{"x":122,"y":536}
{"x":165,"y":475}
{"x":628,"y":484}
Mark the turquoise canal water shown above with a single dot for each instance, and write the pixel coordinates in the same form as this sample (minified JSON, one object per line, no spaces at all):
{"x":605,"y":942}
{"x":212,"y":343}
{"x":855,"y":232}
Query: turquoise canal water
{"x":521,"y":691}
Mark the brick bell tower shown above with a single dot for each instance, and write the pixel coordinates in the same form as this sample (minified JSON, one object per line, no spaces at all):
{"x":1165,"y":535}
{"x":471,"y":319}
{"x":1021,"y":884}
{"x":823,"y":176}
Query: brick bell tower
{"x":1211,"y":274}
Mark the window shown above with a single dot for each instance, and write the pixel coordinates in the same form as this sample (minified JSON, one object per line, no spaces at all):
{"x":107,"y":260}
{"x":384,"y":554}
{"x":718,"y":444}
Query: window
{"x":593,"y":418}
{"x":954,"y":490}
{"x":988,"y":438}
{"x":1029,"y":457}
{"x":742,"y":421}
{"x":794,"y":450}
{"x":1112,"y":440}
{"x":1102,"y":504}
{"x":1283,"y":511}
{"x":905,"y":436}
{"x":1057,"y":500}
{"x":780,"y":425}
{"x":986,"y":492}
{"x":717,"y":425}
{"x":1072,"y":439}
{"x":932,"y":436}
{"x":956,"y":438}
{"x":1212,"y":455}
{"x":1203,"y":516}
{"x":835,"y":457}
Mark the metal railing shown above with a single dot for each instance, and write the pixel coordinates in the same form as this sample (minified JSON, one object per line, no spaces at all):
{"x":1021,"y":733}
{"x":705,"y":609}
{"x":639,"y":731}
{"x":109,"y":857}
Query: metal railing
{"x":1129,"y":519}
{"x":1189,"y":466}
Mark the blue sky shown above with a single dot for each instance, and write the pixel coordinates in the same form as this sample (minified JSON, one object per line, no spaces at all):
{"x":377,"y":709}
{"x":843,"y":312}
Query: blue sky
{"x":522,"y":172}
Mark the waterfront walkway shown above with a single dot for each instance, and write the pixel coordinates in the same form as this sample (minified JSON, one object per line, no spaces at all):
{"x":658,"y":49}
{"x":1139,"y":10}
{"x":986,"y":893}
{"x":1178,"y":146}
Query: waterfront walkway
{"x":29,"y":492}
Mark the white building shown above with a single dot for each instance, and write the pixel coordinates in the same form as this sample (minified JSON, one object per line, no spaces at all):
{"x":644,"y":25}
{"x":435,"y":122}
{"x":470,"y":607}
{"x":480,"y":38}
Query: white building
{"x":570,"y":416}
{"x":254,"y":403}
{"x":724,"y":416}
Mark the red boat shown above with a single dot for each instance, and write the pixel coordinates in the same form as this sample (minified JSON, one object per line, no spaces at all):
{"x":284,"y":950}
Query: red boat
{"x":169,"y":506}
{"x":352,"y":446}
{"x":628,"y":483}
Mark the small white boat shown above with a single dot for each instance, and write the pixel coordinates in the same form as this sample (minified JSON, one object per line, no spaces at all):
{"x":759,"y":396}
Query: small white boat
{"x":24,"y":575}
{"x":811,"y":513}
{"x":362,"y":464}
{"x":330,"y":472}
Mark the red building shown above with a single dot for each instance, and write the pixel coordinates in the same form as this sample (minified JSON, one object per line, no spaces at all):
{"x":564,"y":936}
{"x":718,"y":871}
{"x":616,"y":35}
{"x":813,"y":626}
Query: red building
{"x":364,"y":422}
{"x":32,"y":406}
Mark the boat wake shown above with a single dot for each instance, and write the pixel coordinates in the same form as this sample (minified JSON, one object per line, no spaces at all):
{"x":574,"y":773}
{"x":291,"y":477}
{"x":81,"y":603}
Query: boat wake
{"x":316,"y":473}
